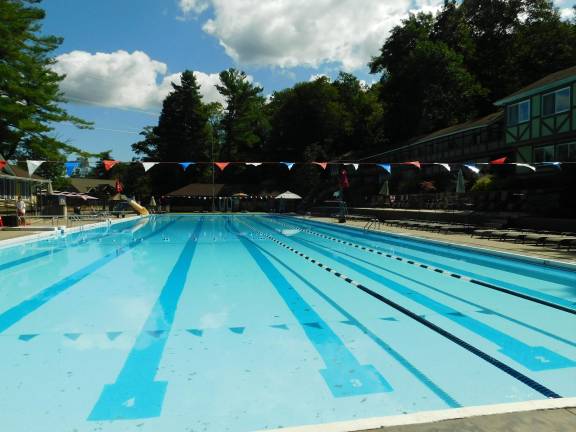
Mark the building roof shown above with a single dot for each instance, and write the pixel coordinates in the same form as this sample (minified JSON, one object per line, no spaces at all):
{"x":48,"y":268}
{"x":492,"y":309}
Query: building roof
{"x":197,"y":189}
{"x":85,"y":185}
{"x":549,"y":81}
{"x":21,"y":172}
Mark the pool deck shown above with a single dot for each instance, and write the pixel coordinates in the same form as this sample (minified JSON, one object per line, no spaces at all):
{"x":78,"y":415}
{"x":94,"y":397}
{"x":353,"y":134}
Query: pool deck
{"x":543,"y":252}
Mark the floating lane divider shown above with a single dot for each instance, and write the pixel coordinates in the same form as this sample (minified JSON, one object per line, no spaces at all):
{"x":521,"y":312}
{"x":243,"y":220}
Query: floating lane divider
{"x":540,"y":388}
{"x":482,"y":309}
{"x":351,"y":320}
{"x":447,"y":273}
{"x":534,"y":358}
{"x":344,"y":375}
{"x":11,"y":316}
{"x":135,"y":394}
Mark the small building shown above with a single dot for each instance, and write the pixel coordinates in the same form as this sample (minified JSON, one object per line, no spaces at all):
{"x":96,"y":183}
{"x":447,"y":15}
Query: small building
{"x":540,"y":119}
{"x":100,"y":188}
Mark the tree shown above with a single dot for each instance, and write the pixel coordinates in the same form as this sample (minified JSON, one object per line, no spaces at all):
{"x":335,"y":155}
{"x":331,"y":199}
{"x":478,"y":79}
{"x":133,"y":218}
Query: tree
{"x":243,"y":122}
{"x":29,"y":89}
{"x":183,"y":134}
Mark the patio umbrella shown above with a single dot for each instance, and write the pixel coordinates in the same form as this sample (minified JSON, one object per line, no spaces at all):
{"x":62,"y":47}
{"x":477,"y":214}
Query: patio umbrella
{"x":288,"y":196}
{"x":460,"y":185}
{"x":152,"y":202}
{"x":385,"y":190}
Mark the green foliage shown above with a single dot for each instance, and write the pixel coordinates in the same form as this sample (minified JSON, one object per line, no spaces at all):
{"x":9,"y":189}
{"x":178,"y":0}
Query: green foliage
{"x":484,"y":183}
{"x":29,"y":90}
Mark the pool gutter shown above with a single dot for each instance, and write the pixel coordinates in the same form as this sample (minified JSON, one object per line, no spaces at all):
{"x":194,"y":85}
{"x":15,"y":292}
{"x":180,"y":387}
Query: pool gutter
{"x":430,"y":417}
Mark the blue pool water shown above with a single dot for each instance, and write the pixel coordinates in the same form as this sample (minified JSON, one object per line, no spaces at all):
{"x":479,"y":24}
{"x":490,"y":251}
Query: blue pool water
{"x":243,"y":323}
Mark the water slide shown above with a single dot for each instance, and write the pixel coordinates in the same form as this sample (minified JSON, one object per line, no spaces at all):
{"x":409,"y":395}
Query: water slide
{"x":142,"y":211}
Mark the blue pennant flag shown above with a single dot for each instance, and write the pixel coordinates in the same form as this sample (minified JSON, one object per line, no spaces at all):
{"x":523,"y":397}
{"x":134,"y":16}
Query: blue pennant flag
{"x":71,"y":167}
{"x":386,"y":167}
{"x":289,"y":164}
{"x":185,"y":165}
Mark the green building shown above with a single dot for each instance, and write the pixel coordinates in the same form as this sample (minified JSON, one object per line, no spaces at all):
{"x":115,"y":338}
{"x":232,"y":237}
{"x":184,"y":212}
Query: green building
{"x":540,"y":121}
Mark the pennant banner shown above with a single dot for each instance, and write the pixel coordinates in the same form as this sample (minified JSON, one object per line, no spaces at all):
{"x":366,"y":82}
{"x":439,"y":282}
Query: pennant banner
{"x":556,"y":164}
{"x":71,"y":167}
{"x":148,"y":165}
{"x":500,"y":161}
{"x":222,"y":165}
{"x":355,"y":165}
{"x":33,"y":166}
{"x":185,"y":165}
{"x":445,"y":165}
{"x":289,"y":165}
{"x":321,"y":164}
{"x":109,"y":164}
{"x":414,"y":163}
{"x":473,"y":168}
{"x":254,"y":163}
{"x":533,"y":168}
{"x":386,"y":167}
{"x":2,"y":164}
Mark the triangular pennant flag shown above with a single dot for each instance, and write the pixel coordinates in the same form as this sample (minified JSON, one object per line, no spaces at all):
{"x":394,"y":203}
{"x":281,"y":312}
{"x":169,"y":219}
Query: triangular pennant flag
{"x":445,"y":165}
{"x":71,"y":167}
{"x":185,"y":165}
{"x":254,"y":163}
{"x":2,"y":164}
{"x":237,"y":330}
{"x":222,"y":165}
{"x":355,"y":165}
{"x":289,"y":165}
{"x":473,"y":168}
{"x":556,"y":164}
{"x":196,"y":332}
{"x":414,"y":163}
{"x":148,"y":165}
{"x":113,"y":335}
{"x":72,"y":336}
{"x":27,"y":337}
{"x":280,"y":326}
{"x":386,"y":167}
{"x":533,"y":168}
{"x":500,"y":161}
{"x":109,"y":164}
{"x":33,"y":165}
{"x":322,"y":164}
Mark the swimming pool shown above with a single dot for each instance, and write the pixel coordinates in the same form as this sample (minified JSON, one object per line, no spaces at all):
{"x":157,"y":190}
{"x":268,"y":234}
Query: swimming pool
{"x":241,"y":323}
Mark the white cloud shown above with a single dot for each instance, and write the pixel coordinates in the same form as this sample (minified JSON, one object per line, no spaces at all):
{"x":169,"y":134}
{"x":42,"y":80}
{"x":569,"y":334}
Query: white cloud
{"x":314,"y":77}
{"x":121,"y":79}
{"x":288,"y":33}
{"x":196,"y":6}
{"x":567,"y":13}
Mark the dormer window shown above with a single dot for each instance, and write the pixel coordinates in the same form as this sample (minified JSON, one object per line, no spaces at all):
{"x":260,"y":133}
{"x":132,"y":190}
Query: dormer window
{"x":519,"y":113}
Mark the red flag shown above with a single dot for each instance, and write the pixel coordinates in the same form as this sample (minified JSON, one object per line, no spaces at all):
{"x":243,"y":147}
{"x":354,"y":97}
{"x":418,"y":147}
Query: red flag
{"x":119,"y":186}
{"x":2,"y":164}
{"x":108,"y":164}
{"x":222,"y":165}
{"x":499,"y":161}
{"x":415,"y":163}
{"x":322,"y":164}
{"x":344,"y":183}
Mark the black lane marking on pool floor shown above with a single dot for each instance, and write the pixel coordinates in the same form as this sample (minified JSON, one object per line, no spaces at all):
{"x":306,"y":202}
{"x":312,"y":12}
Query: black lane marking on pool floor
{"x":435,"y":269}
{"x":540,"y":388}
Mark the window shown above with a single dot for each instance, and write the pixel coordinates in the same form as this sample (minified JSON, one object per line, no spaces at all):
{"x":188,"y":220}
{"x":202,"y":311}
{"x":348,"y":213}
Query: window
{"x":556,"y":102}
{"x":544,"y":154}
{"x":567,"y":152}
{"x":519,"y":113}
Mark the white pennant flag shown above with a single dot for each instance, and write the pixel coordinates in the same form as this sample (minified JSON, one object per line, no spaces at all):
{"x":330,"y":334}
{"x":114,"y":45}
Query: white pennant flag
{"x":148,"y":165}
{"x":533,"y":168}
{"x":33,"y":165}
{"x":473,"y":168}
{"x":355,"y":165}
{"x":254,"y":163}
{"x":445,"y":165}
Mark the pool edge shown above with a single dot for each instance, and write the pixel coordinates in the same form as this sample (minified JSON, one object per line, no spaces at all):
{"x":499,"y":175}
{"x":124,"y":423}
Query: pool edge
{"x":430,"y":417}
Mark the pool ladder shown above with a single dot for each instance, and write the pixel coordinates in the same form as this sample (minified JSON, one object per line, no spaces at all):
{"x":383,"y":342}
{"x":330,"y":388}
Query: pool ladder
{"x":372,"y":224}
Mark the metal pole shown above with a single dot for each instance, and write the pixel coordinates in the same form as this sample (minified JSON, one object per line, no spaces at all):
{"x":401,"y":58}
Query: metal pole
{"x":212,"y":157}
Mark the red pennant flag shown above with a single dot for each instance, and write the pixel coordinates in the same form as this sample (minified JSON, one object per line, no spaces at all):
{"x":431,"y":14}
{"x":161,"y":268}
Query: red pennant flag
{"x":222,"y":165}
{"x":322,"y":164}
{"x":499,"y":161}
{"x":415,"y":163}
{"x":2,"y":164}
{"x":108,"y":164}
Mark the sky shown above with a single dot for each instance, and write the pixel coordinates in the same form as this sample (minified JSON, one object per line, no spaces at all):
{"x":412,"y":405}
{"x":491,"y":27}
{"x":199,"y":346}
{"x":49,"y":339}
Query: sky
{"x":121,"y":56}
